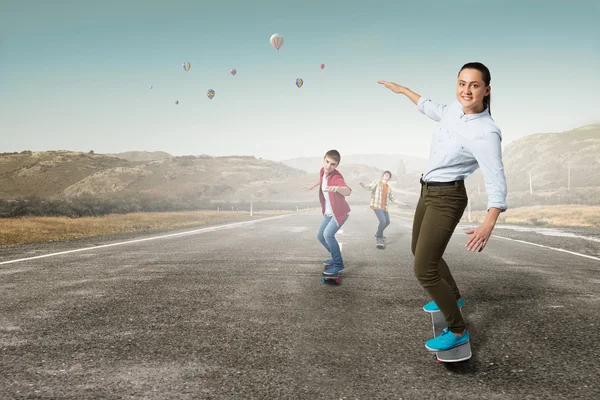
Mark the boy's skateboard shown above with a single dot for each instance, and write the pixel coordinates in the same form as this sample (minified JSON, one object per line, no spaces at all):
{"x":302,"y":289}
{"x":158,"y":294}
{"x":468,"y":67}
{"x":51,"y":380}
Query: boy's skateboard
{"x":335,"y":278}
{"x":380,"y":246}
{"x":456,"y":354}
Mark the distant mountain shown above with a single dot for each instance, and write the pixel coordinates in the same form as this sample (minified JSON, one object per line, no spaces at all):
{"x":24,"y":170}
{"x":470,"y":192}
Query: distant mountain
{"x":48,"y":173}
{"x":230,"y":178}
{"x":383,"y":162}
{"x":218,"y":179}
{"x":143,"y":155}
{"x":548,"y":156}
{"x":56,"y":174}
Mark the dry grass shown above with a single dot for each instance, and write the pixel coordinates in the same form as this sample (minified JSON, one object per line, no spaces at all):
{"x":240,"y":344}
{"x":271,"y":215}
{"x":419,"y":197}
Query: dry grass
{"x":559,"y":215}
{"x":44,"y":229}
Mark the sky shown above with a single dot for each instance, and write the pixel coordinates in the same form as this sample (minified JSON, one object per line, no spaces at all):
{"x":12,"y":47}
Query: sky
{"x":76,"y":75}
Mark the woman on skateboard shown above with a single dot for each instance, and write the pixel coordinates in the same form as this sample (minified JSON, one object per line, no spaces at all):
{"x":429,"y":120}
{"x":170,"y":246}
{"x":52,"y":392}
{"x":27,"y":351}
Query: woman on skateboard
{"x":465,"y":138}
{"x":381,"y":192}
{"x":332,"y":195}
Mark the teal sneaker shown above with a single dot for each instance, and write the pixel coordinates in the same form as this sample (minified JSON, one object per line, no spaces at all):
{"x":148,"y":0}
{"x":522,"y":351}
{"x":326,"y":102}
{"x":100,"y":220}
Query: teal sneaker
{"x":446,"y":341}
{"x":432,"y":307}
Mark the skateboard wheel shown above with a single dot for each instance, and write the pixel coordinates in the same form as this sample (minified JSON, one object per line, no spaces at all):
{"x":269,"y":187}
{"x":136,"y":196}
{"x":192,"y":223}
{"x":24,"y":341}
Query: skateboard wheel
{"x":337,"y":281}
{"x":322,"y":280}
{"x":438,"y":361}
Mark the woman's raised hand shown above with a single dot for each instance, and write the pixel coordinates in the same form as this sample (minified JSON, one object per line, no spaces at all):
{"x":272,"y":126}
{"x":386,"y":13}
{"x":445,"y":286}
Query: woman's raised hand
{"x":394,"y":87}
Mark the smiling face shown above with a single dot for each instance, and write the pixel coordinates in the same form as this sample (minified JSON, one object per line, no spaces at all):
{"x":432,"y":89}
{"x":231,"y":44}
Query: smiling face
{"x":329,"y":164}
{"x":470,"y":91}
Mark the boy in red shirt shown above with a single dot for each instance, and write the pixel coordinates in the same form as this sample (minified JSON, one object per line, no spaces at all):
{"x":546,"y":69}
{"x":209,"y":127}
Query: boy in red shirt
{"x":332,"y":192}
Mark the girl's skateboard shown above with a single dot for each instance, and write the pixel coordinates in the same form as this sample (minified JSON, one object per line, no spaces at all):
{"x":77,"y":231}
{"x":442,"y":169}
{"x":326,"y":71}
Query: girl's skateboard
{"x":380,"y":244}
{"x":458,"y":353}
{"x":335,"y":278}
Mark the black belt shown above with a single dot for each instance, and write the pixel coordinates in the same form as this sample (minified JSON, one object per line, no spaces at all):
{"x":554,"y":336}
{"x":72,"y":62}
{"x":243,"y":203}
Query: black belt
{"x":453,"y":183}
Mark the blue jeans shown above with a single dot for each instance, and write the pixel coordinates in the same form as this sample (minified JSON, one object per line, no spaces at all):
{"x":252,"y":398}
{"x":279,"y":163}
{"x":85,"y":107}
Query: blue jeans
{"x":326,"y":236}
{"x":384,"y":220}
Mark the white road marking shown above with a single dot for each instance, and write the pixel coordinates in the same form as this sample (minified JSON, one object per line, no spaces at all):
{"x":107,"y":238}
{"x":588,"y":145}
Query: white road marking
{"x":548,"y":247}
{"x":533,"y":244}
{"x":547,"y":232}
{"x":201,"y":230}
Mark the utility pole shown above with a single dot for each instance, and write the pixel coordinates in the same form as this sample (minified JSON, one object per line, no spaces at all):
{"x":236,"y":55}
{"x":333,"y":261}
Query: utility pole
{"x":469,"y":211}
{"x":530,"y":185}
{"x":569,"y":181}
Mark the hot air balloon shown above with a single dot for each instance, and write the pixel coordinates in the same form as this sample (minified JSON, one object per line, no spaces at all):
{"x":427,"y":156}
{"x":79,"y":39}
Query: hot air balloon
{"x":186,"y":66}
{"x":233,"y":72}
{"x":322,"y":66}
{"x":299,"y":82}
{"x":210,"y":93}
{"x":176,"y":101}
{"x":277,"y":41}
{"x":150,"y":86}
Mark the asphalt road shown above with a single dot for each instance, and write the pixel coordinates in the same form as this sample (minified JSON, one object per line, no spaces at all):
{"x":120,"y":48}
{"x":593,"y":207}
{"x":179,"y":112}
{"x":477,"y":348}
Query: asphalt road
{"x":240,"y":312}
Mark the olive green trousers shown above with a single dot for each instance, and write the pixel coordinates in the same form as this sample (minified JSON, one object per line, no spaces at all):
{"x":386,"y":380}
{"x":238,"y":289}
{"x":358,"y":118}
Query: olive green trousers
{"x":439,"y":210}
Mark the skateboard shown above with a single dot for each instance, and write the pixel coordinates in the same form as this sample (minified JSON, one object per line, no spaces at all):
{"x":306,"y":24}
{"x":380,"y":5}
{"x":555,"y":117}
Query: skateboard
{"x":456,"y":354}
{"x":335,"y":278}
{"x":380,"y":246}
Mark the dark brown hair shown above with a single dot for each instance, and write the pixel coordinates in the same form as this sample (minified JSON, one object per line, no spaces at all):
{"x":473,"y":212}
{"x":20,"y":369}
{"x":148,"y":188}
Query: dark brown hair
{"x":487,"y":78}
{"x":334,"y":154}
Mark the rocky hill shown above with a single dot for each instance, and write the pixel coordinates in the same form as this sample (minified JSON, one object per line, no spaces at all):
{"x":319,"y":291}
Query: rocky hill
{"x":548,"y":157}
{"x":217,"y":178}
{"x":142,"y":155}
{"x":47,"y":174}
{"x":64,"y":174}
{"x":389,"y":162}
{"x":195,"y":176}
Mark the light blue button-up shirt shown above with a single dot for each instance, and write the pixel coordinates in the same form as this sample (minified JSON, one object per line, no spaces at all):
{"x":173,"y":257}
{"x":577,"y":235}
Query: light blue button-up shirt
{"x":461,"y":144}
